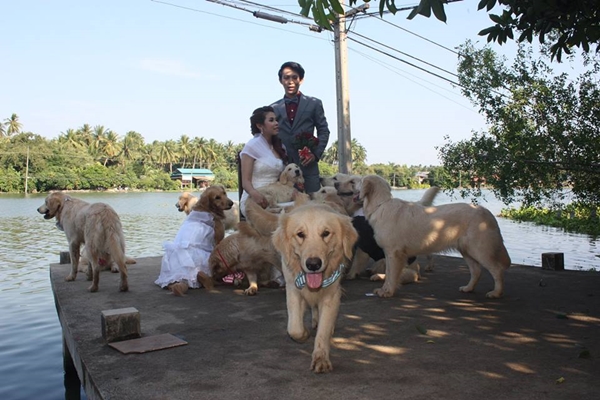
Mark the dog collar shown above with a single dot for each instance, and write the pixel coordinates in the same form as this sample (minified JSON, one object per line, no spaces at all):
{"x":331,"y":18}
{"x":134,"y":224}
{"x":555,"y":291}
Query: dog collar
{"x":301,"y":278}
{"x":345,"y":194}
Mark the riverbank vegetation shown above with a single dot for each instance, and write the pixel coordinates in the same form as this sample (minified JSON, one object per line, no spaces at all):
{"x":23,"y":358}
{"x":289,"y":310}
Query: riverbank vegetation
{"x":97,"y":158}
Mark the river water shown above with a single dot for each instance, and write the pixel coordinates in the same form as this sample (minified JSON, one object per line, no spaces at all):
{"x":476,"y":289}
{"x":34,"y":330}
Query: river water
{"x":30,"y":333}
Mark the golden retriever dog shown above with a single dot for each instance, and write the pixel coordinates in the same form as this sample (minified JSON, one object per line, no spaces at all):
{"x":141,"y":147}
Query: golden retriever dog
{"x":232,"y":216}
{"x":97,"y":226}
{"x":213,"y":200}
{"x":315,"y":243}
{"x":347,"y":188}
{"x":404,"y":229}
{"x":85,"y":263}
{"x":247,"y":251}
{"x":328,"y":195}
{"x":282,"y":191}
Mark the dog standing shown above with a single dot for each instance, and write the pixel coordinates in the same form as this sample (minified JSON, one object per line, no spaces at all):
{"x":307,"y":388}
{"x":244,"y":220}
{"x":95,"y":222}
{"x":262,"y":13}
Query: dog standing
{"x":315,"y":242}
{"x":186,"y":258}
{"x":97,"y":226}
{"x":405,"y":229}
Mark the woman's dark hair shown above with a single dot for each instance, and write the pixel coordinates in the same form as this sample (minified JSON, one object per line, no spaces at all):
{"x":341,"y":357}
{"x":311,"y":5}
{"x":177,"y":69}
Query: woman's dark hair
{"x":258,"y":117}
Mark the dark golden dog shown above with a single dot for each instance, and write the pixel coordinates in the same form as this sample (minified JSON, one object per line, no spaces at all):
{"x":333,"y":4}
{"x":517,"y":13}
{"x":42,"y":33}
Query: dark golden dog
{"x":315,"y":243}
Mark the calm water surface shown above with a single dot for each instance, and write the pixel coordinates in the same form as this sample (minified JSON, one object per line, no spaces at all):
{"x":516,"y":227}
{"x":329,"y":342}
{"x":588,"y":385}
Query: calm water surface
{"x":30,"y":334}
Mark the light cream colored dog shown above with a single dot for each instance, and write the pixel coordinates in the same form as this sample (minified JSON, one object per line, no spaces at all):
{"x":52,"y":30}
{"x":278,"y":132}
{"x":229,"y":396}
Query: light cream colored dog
{"x":405,"y":229}
{"x":315,"y":242}
{"x":97,"y":225}
{"x":283,"y":190}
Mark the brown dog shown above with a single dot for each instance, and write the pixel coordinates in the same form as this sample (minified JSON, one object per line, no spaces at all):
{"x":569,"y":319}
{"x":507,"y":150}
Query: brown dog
{"x":232,"y":216}
{"x":97,"y":225}
{"x":405,"y":229}
{"x":213,"y":200}
{"x":245,"y":250}
{"x":315,"y":242}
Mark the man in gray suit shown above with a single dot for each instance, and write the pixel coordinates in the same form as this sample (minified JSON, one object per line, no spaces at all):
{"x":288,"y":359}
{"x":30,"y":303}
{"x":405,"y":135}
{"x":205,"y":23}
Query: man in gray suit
{"x":297,"y":114}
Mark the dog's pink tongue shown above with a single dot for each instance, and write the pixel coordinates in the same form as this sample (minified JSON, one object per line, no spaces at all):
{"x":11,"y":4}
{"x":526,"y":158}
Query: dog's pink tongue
{"x":314,"y":280}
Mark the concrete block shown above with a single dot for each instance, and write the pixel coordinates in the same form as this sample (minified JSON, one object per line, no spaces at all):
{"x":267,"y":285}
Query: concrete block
{"x":553,"y":261}
{"x":65,"y":257}
{"x":121,"y":324}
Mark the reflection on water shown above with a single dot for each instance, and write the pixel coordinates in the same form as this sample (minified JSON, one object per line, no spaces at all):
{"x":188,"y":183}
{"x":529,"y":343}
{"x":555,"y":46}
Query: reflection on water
{"x":30,"y":334}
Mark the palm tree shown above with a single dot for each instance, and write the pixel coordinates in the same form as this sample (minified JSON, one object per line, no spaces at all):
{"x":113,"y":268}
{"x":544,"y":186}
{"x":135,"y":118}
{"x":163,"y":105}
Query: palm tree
{"x":2,"y":130}
{"x":111,"y":146}
{"x":168,"y":154}
{"x":133,"y":143}
{"x":185,"y":148}
{"x":70,"y":139}
{"x":86,"y":132}
{"x":97,"y":140}
{"x":213,"y":151}
{"x":198,"y":151}
{"x":13,"y":126}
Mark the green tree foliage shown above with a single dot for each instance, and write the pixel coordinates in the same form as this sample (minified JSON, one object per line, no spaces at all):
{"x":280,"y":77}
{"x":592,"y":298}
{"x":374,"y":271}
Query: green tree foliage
{"x":566,"y":23}
{"x":544,"y":133}
{"x":98,"y":158}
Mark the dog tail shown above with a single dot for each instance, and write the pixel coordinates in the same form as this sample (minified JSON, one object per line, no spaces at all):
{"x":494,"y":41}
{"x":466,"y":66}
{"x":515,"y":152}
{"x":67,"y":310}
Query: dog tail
{"x":429,"y":196}
{"x":263,"y":221}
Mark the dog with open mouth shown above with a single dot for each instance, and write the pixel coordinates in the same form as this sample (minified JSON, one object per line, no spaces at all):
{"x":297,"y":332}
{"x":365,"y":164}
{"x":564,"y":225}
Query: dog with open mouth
{"x":315,"y":243}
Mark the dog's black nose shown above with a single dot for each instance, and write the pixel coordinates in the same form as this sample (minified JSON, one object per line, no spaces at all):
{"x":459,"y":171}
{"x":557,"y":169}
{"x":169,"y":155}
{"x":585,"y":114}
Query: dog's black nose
{"x":313,"y":264}
{"x":297,"y":172}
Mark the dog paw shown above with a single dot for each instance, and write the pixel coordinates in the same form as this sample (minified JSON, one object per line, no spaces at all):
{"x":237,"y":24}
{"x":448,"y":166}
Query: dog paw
{"x":70,"y":278}
{"x":93,"y":288}
{"x":383,"y":292}
{"x":251,"y":291}
{"x":377,"y":277}
{"x":124,"y":287}
{"x":493,"y":295}
{"x":320,"y":363}
{"x":300,"y":337}
{"x":465,"y":289}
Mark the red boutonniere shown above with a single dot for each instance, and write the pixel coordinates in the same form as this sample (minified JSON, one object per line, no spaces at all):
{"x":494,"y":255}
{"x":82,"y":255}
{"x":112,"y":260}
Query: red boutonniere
{"x":305,"y":143}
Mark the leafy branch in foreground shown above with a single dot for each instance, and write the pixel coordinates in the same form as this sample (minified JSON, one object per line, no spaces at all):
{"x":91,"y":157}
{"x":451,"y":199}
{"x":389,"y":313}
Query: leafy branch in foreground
{"x":562,"y":23}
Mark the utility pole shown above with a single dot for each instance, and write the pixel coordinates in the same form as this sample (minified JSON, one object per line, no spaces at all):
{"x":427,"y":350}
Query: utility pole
{"x":27,"y":171}
{"x":342,"y":90}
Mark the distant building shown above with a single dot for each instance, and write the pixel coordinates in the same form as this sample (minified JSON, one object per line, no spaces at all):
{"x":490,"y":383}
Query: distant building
{"x":422,"y":176}
{"x":193,"y":177}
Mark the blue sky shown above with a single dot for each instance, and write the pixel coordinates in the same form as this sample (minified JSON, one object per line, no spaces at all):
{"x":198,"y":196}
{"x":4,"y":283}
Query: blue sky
{"x":164,"y":71}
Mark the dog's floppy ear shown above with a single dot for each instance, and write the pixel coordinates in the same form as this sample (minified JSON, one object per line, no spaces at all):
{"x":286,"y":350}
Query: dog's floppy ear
{"x":349,"y":236}
{"x":284,"y":178}
{"x":280,"y":240}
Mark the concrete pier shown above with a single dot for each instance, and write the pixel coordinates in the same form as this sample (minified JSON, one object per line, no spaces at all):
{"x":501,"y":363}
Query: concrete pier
{"x":430,"y":341}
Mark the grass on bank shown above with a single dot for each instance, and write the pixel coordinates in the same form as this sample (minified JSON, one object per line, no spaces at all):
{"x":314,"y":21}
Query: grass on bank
{"x":572,"y":217}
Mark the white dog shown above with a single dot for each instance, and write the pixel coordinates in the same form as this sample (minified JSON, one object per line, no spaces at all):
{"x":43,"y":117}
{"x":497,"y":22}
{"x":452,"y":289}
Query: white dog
{"x":405,"y":229}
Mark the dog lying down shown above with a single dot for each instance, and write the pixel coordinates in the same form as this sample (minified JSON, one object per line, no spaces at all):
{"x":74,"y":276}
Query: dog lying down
{"x":282,"y":191}
{"x":245,"y":251}
{"x":95,"y":224}
{"x":405,"y":229}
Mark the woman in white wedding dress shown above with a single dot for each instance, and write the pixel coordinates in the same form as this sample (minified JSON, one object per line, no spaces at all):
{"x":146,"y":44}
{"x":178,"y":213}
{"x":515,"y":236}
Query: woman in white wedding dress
{"x":263,"y":157}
